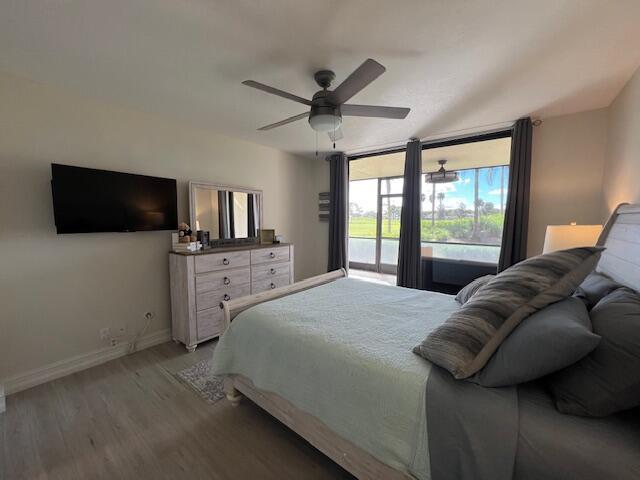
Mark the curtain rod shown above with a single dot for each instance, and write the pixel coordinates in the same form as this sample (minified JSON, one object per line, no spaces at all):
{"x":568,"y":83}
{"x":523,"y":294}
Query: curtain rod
{"x":400,"y":144}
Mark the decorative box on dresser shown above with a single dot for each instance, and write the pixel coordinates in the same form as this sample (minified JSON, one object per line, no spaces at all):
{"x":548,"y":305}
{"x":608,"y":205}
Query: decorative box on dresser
{"x":201,"y":280}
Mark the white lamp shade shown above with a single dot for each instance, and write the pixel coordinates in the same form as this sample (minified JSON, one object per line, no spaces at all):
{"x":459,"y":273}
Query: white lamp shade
{"x":561,"y":237}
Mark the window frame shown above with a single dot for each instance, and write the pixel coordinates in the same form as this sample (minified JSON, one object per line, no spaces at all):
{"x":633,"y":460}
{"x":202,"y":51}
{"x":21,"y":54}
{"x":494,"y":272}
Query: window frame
{"x":439,"y":143}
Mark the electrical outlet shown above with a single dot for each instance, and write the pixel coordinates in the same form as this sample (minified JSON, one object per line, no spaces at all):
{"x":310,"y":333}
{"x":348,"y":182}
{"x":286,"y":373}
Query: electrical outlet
{"x":114,"y":342}
{"x":105,"y":333}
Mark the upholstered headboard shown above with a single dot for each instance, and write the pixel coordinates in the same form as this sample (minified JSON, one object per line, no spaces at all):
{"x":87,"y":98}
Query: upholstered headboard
{"x":621,"y":236}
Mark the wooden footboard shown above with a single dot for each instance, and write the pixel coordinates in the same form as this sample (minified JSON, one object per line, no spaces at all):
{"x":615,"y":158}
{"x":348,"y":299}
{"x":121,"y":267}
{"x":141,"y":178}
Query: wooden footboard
{"x":349,"y":456}
{"x":234,"y":307}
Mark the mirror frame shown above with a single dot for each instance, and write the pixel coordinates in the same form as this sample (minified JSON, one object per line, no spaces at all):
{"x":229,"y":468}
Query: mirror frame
{"x":219,"y":186}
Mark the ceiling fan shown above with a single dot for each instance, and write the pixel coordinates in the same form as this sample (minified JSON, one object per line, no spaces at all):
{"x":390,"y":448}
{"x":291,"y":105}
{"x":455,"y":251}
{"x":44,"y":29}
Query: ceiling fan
{"x":328,"y":106}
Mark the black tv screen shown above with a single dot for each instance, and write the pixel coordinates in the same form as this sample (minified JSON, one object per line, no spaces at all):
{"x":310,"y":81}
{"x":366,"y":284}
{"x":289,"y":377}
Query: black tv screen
{"x":88,"y":200}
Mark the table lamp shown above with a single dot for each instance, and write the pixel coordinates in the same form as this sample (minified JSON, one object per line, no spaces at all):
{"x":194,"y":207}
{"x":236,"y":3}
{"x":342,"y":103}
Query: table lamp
{"x":561,"y":237}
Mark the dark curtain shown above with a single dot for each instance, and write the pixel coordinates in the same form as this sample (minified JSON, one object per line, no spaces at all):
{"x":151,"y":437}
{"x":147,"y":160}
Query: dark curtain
{"x":516,"y":218}
{"x":409,"y":261}
{"x":223,"y":214}
{"x":338,"y":199}
{"x":251,"y":216}
{"x":232,"y":216}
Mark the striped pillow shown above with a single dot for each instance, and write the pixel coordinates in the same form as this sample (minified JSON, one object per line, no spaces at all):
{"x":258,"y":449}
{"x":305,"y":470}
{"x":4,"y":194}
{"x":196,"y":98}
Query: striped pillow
{"x":466,"y":340}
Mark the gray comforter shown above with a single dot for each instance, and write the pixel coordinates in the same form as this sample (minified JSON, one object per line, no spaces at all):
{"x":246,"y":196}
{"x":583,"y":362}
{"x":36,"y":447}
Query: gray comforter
{"x":480,"y":433}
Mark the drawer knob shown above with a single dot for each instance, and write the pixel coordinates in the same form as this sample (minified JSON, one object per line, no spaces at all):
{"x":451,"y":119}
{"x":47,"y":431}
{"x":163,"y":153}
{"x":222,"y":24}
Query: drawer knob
{"x":225,"y":261}
{"x":227,"y":280}
{"x":273,"y":271}
{"x":273,"y":285}
{"x":226,"y":297}
{"x":272,"y":255}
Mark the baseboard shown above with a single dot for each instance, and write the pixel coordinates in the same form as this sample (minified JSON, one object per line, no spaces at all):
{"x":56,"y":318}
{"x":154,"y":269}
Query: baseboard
{"x":22,"y":381}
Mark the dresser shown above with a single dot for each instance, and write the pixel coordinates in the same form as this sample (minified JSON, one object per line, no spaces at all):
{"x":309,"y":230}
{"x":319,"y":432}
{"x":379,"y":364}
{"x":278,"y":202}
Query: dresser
{"x":201,"y":280}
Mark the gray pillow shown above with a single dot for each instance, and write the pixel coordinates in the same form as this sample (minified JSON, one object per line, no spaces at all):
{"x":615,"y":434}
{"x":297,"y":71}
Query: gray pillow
{"x":594,"y":288}
{"x":608,"y":379}
{"x":464,"y":343}
{"x":553,"y":338}
{"x":467,"y":292}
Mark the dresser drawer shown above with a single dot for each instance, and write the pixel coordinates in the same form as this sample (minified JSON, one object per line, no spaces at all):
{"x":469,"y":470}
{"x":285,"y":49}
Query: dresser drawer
{"x":221,"y":261}
{"x":269,"y":270}
{"x":211,"y":299}
{"x":270,"y":283}
{"x":206,"y":282}
{"x":210,"y":323}
{"x":264,"y":255}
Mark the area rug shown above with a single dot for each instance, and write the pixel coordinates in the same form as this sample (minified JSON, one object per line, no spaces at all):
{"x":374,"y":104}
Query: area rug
{"x":200,"y":378}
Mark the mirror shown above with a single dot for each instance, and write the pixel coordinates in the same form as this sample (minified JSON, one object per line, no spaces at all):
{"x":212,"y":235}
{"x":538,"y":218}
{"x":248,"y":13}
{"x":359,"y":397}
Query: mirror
{"x":224,"y":211}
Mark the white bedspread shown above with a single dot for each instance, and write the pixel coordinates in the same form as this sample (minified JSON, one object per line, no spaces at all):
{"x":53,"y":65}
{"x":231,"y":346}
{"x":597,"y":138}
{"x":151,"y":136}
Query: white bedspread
{"x":342,"y":352}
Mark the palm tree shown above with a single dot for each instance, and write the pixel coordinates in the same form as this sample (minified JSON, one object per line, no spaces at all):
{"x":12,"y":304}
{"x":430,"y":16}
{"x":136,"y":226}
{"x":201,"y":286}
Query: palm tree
{"x":476,"y":206}
{"x":441,"y":211}
{"x":432,"y":199}
{"x":502,"y":189}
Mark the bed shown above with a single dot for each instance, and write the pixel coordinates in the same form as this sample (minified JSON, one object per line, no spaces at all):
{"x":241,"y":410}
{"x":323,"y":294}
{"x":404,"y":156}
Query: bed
{"x":331,"y":358}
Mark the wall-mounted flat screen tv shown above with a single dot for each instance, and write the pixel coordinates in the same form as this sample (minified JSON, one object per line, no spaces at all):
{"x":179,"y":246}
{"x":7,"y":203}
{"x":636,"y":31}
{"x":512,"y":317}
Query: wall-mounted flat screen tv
{"x":88,"y":200}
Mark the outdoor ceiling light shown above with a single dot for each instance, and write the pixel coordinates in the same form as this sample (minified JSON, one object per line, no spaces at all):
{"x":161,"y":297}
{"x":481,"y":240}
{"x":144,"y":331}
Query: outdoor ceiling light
{"x":442,"y":175}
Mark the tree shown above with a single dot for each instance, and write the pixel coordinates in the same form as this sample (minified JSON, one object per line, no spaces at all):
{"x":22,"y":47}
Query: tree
{"x":462,"y":210}
{"x":432,"y":199}
{"x":355,"y":210}
{"x":441,"y":210}
{"x":394,"y":212}
{"x":501,"y":189}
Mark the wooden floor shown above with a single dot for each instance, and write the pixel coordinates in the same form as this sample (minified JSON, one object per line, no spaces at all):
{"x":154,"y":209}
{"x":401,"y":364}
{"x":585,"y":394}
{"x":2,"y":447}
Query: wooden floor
{"x":133,"y":419}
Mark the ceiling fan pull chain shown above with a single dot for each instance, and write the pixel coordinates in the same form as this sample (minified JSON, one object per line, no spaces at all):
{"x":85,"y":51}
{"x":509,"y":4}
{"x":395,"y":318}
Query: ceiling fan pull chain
{"x":334,"y":131}
{"x":316,"y":144}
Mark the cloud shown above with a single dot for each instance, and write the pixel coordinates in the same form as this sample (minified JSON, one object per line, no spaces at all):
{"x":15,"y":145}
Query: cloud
{"x":453,"y":202}
{"x":446,"y":187}
{"x":495,"y":191}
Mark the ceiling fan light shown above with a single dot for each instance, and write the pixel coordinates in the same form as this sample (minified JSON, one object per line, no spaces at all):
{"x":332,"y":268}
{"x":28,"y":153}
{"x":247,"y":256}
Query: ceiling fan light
{"x":325,"y":122}
{"x":442,"y":175}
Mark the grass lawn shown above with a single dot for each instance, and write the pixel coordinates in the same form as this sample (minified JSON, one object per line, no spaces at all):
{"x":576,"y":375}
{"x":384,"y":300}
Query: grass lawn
{"x":460,"y":229}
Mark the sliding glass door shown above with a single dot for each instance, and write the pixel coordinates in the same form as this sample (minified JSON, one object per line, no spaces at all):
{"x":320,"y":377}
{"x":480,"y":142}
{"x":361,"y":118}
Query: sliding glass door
{"x":461,"y":220}
{"x":374,"y":223}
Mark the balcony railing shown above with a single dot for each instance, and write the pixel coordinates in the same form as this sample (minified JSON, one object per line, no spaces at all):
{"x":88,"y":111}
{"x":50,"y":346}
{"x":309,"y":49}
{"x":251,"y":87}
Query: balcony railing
{"x":363,"y":250}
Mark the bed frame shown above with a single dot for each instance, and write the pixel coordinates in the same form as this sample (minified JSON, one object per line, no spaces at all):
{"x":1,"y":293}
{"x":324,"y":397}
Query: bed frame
{"x":621,"y":237}
{"x":621,"y":261}
{"x":352,"y":458}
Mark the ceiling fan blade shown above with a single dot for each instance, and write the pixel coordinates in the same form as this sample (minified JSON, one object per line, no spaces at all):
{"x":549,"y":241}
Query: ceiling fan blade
{"x":275,"y":91}
{"x":285,"y":121}
{"x":374,"y":111}
{"x":336,"y":134}
{"x":360,"y":78}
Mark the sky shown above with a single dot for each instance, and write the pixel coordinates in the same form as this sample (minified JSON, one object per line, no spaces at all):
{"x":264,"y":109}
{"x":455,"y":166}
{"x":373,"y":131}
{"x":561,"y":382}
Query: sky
{"x":364,"y":192}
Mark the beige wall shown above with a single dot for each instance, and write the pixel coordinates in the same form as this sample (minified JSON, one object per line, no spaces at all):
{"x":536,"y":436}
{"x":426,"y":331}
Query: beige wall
{"x":622,"y":175}
{"x":567,"y":164}
{"x":57,"y":291}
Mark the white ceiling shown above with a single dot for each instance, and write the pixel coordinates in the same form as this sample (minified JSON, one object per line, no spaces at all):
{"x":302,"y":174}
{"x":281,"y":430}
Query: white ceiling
{"x":457,"y":64}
